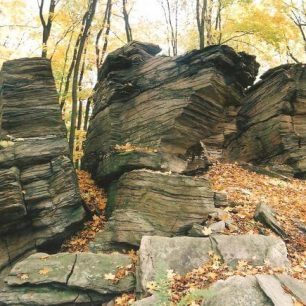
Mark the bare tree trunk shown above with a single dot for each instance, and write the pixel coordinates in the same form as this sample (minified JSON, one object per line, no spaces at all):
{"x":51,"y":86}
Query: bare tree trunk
{"x":105,"y":23}
{"x":72,"y":64}
{"x":80,"y":109}
{"x":47,"y":25}
{"x":88,"y":20}
{"x":65,"y":64}
{"x":200,"y":16}
{"x":128,"y":30}
{"x":208,"y":22}
{"x":172,"y":23}
{"x":87,"y":110}
{"x":106,"y":36}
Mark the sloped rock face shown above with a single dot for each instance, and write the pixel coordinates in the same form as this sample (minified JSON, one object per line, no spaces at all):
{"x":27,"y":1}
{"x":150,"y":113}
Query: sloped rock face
{"x":271,"y":122}
{"x":165,"y":104}
{"x":39,"y":199}
{"x":66,"y":279}
{"x":183,"y":254}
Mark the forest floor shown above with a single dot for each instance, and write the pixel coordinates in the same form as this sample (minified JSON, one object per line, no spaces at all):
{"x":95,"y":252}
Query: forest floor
{"x":245,"y":190}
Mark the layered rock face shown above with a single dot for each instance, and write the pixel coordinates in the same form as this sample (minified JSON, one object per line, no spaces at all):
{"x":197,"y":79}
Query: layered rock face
{"x":39,"y":199}
{"x":272,"y":121}
{"x":157,"y":113}
{"x":164,"y":107}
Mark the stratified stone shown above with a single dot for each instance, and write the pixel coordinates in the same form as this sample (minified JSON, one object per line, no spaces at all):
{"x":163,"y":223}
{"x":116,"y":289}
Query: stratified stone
{"x":172,"y":111}
{"x":271,"y":122}
{"x":81,"y":278}
{"x":266,"y":216}
{"x":183,"y":254}
{"x":145,"y":202}
{"x":40,"y":203}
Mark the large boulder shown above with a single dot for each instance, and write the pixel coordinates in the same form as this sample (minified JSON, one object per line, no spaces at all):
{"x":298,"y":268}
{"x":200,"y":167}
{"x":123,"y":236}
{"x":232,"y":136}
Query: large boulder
{"x":144,"y":202}
{"x":259,"y":290}
{"x":183,"y":254}
{"x":40,"y":203}
{"x":271,"y":122}
{"x":163,"y":107}
{"x":67,"y":278}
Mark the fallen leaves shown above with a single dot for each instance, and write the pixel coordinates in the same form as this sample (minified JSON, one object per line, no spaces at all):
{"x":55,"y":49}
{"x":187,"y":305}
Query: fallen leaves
{"x":93,"y":196}
{"x":128,"y":147}
{"x":245,"y":189}
{"x":207,"y":231}
{"x":80,"y":241}
{"x":24,"y":276}
{"x":44,"y":271}
{"x":125,"y":299}
{"x":110,"y":276}
{"x":95,"y":200}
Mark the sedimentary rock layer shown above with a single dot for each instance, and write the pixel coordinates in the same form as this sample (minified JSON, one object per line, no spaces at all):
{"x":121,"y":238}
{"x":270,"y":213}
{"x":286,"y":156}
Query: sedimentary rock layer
{"x":164,"y":105}
{"x":272,"y":120}
{"x":39,"y":199}
{"x":144,"y":202}
{"x":66,"y":279}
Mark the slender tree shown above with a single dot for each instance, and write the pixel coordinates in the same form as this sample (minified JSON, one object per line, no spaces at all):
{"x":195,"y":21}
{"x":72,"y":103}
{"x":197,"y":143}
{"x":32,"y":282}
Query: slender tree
{"x":89,"y":15}
{"x":46,"y":24}
{"x":298,"y":16}
{"x":126,"y":18}
{"x":72,"y":64}
{"x":106,"y":24}
{"x":201,"y":9}
{"x":171,"y":18}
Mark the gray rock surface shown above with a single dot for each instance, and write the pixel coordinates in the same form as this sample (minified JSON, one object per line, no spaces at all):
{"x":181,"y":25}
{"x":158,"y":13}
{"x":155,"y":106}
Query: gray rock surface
{"x":40,"y":203}
{"x":183,"y":254}
{"x":43,"y":279}
{"x":259,"y":290}
{"x":149,"y":301}
{"x":144,"y":202}
{"x":271,"y":121}
{"x":266,"y":216}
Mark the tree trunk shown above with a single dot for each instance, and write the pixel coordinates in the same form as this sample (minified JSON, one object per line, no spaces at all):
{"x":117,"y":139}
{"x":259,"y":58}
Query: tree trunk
{"x":128,"y":30}
{"x":80,"y":109}
{"x":72,"y":64}
{"x":200,"y":16}
{"x":105,"y":19}
{"x":89,"y":17}
{"x":46,"y":25}
{"x":87,"y":110}
{"x":65,"y":64}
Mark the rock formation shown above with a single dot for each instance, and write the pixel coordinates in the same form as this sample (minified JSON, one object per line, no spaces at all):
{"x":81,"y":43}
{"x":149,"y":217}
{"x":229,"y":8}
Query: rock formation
{"x":268,"y":290}
{"x":40,"y":203}
{"x":164,"y":107}
{"x":66,"y":279}
{"x":271,"y":123}
{"x":183,"y":254}
{"x":161,"y":114}
{"x":158,"y":123}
